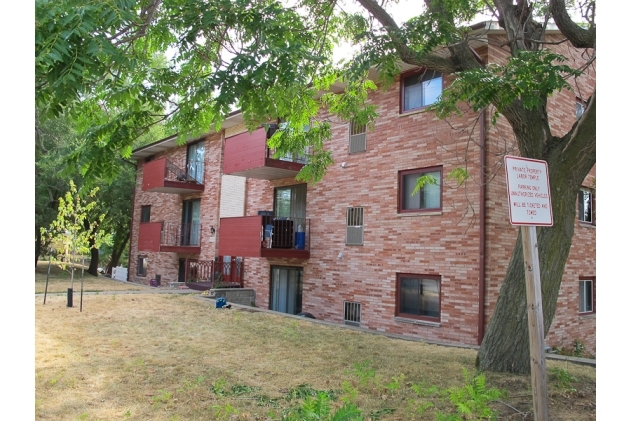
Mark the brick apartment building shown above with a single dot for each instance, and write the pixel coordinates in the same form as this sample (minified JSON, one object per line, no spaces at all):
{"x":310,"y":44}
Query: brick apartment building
{"x":357,"y":247}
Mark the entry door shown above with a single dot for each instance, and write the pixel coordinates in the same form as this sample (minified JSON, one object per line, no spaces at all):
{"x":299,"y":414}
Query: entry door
{"x":291,"y":202}
{"x":195,"y":161}
{"x":191,"y":212}
{"x":286,"y":290}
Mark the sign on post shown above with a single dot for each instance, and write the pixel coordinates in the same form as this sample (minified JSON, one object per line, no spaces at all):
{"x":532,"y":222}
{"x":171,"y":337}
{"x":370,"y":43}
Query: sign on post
{"x":528,"y":191}
{"x":531,"y":206}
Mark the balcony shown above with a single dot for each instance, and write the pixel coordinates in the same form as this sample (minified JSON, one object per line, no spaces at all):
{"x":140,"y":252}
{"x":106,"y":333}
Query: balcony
{"x":247,"y":155}
{"x":164,"y":176}
{"x":265,"y":236}
{"x":170,"y":237}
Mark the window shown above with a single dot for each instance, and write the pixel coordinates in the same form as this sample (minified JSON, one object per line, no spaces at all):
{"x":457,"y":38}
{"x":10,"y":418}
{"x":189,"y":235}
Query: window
{"x":352,"y":313}
{"x":428,"y":198}
{"x":356,"y":138}
{"x":142,"y":266}
{"x":354,"y":226}
{"x":580,"y":108}
{"x":420,"y":90}
{"x":195,"y":161}
{"x":418,"y":296}
{"x":586,"y":206}
{"x":587,"y":295}
{"x":286,"y":289}
{"x":190,"y":231}
{"x":145,"y":213}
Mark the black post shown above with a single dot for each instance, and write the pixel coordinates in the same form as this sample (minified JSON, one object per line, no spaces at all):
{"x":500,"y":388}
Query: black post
{"x":69,"y":297}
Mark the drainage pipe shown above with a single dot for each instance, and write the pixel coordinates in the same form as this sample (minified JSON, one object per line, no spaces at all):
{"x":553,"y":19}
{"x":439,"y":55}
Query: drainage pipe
{"x":482,"y":261}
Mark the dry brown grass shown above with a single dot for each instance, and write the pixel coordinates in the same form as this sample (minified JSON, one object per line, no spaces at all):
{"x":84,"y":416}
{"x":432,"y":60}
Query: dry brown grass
{"x":176,"y":357}
{"x":59,"y":281}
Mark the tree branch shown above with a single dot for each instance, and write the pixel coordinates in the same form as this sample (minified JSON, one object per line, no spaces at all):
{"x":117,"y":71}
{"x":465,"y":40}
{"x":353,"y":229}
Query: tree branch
{"x":578,"y":36}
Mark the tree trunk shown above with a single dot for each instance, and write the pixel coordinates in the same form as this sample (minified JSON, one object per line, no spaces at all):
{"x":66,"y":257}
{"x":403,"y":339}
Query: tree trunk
{"x":505,"y":347}
{"x":117,"y":252}
{"x":38,"y":246}
{"x":93,"y":269}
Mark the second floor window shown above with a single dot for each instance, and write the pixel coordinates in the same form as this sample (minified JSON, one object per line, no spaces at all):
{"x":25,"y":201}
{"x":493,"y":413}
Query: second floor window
{"x":420,"y":90}
{"x":195,"y":161}
{"x":586,"y":206}
{"x":354,"y":226}
{"x":145,"y":213}
{"x":428,"y":197}
{"x":356,"y":138}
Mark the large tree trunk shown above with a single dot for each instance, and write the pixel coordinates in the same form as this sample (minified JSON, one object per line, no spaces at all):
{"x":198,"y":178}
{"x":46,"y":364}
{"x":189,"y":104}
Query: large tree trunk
{"x":505,"y":346}
{"x":117,"y":252}
{"x":93,"y":269}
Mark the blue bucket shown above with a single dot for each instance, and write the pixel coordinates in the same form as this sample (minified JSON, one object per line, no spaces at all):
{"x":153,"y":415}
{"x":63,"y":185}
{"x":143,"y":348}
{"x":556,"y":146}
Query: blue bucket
{"x":220,"y":302}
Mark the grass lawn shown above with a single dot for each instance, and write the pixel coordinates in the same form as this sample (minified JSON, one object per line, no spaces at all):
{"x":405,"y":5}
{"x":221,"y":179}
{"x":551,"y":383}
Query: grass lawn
{"x":59,"y":281}
{"x":176,"y":357}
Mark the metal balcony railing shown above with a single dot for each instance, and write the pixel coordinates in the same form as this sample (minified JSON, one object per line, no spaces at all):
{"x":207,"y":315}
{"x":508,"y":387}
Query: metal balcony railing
{"x":191,"y":172}
{"x":285,"y":233}
{"x":186,"y":234}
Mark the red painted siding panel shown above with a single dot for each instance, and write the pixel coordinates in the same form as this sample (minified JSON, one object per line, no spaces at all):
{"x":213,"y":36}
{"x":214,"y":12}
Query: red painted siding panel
{"x":245,"y":151}
{"x":149,"y":236}
{"x":154,"y":173}
{"x":240,"y":236}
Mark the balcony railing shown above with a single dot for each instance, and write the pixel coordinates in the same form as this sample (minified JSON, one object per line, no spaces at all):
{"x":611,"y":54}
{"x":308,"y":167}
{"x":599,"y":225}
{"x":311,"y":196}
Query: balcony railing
{"x":166,"y":176}
{"x":178,"y":235}
{"x":265,"y":236}
{"x":218,"y":273}
{"x":247,"y":155}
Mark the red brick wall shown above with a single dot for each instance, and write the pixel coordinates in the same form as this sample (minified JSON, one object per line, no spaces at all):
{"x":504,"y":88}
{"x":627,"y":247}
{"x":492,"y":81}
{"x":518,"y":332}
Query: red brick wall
{"x":168,"y":207}
{"x":444,"y":243}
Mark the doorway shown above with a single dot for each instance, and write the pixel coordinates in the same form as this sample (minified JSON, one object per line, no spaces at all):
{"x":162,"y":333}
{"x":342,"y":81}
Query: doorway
{"x":286,"y":289}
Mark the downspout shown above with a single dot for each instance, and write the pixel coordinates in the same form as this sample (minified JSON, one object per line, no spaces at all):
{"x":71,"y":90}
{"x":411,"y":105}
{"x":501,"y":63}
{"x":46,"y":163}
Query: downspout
{"x":482,"y":262}
{"x":131,"y":229}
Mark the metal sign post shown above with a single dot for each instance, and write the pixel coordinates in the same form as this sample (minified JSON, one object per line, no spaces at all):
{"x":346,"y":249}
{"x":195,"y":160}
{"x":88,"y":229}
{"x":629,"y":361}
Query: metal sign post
{"x":530,"y":206}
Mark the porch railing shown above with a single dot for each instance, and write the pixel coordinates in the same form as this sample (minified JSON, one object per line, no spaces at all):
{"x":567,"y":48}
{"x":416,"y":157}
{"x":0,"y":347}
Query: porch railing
{"x":221,"y":273}
{"x":186,"y":234}
{"x":281,"y":232}
{"x":191,"y":171}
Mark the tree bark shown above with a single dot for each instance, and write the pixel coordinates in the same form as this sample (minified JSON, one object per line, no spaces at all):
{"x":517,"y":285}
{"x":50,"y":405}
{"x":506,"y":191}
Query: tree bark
{"x":505,"y":347}
{"x":117,"y":252}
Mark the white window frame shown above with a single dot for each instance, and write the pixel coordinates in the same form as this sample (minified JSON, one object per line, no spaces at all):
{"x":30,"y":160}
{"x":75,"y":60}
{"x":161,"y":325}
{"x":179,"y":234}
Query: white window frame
{"x":581,"y":207}
{"x":583,"y":300}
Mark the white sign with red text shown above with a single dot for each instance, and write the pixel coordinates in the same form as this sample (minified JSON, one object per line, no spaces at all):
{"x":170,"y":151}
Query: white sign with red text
{"x":528,"y":191}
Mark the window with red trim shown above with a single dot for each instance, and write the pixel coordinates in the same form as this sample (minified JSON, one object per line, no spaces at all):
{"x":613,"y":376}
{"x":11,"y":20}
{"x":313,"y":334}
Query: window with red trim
{"x":428,"y":197}
{"x":418,"y":296}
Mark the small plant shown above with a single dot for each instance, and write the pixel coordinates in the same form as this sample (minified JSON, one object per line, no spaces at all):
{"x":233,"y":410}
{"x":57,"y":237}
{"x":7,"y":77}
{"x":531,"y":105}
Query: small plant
{"x":563,"y":379}
{"x":375,"y":414}
{"x":318,"y":408}
{"x":303,"y":391}
{"x":218,"y":387}
{"x":363,"y":372}
{"x":349,"y":392}
{"x":222,"y":412}
{"x":424,"y":392}
{"x":242,"y":389}
{"x":472,"y":399}
{"x":396,"y":382}
{"x":163,"y":397}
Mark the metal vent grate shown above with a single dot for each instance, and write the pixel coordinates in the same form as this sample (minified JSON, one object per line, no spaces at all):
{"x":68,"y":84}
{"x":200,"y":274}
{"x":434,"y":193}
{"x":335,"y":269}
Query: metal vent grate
{"x":357,"y":138}
{"x":355,"y":226}
{"x":352,"y":313}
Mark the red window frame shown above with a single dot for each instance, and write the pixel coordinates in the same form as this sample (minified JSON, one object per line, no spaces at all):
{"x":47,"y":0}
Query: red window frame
{"x":420,"y":172}
{"x":397,"y":308}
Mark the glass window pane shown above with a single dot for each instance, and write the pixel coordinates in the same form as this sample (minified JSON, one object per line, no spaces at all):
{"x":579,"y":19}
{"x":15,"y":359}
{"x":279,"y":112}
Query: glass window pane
{"x":409,"y":296}
{"x":432,"y":89}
